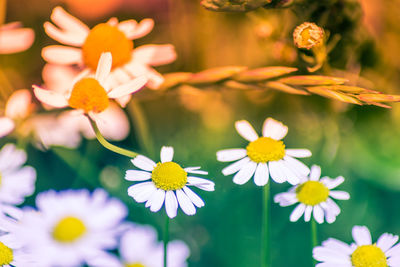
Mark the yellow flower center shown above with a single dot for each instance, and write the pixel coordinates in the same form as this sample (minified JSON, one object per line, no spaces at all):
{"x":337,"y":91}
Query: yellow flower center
{"x":6,"y":255}
{"x":69,"y":229}
{"x":169,"y":176}
{"x":89,"y":95}
{"x":134,"y":265}
{"x":312,"y":193}
{"x":106,"y":38}
{"x":369,"y":256}
{"x":265,"y":149}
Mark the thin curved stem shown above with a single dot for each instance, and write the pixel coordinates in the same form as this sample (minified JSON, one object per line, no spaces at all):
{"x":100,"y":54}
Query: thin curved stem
{"x":265,"y":260}
{"x":107,"y":144}
{"x":314,"y":238}
{"x":166,"y":238}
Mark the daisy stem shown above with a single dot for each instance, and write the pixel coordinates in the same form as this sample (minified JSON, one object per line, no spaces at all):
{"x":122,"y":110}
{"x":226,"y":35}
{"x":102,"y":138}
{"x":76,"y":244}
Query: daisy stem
{"x":107,"y":144}
{"x":166,"y":237}
{"x":314,"y":238}
{"x":265,"y":260}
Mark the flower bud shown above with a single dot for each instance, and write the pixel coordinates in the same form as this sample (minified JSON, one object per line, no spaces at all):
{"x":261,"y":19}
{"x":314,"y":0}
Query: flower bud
{"x":308,"y":35}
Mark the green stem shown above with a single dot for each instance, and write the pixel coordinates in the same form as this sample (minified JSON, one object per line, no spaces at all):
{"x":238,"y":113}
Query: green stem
{"x":107,"y":144}
{"x":265,"y":259}
{"x":314,"y":239}
{"x":166,"y":237}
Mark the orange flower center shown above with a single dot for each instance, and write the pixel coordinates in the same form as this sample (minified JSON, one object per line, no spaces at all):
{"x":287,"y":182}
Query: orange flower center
{"x":106,"y":38}
{"x":89,"y":95}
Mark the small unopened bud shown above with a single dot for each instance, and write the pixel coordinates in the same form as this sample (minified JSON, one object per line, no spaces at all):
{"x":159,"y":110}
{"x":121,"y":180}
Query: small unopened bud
{"x":308,"y":35}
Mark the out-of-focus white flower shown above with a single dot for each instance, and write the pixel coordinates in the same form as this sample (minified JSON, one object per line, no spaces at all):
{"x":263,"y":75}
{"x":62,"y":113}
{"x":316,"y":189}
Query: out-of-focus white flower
{"x":168,"y":183}
{"x":70,"y":228}
{"x":16,"y":181}
{"x":13,"y":253}
{"x":264,"y":156}
{"x":84,"y":47}
{"x":14,"y":38}
{"x":362,"y":253}
{"x":315,"y":197}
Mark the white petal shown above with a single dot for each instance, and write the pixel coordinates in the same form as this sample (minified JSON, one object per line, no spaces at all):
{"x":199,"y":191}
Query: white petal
{"x":234,"y":167}
{"x":394,"y":251}
{"x":315,"y":173}
{"x":361,"y":235}
{"x":247,"y":131}
{"x":286,"y":199}
{"x":64,"y":37}
{"x":185,"y":203}
{"x":68,"y":22}
{"x":15,"y":40}
{"x":195,"y":170}
{"x":193,"y":197}
{"x":143,"y":28}
{"x":274,"y":129}
{"x":332,"y":257}
{"x":386,"y":241}
{"x":231,"y":154}
{"x":291,"y":176}
{"x":6,"y":126}
{"x":128,"y":88}
{"x":171,"y":204}
{"x":143,"y":163}
{"x":245,"y":173}
{"x":332,"y":183}
{"x":134,"y":175}
{"x":201,"y":183}
{"x":297,"y":212}
{"x":298,"y":153}
{"x":307,"y":213}
{"x":19,"y":104}
{"x":261,"y":175}
{"x":50,"y":98}
{"x":337,"y":245}
{"x":339,"y":195}
{"x":157,"y":200}
{"x":63,"y":55}
{"x":297,"y":166}
{"x":167,"y":153}
{"x":155,"y":55}
{"x":142,"y":192}
{"x":103,"y":67}
{"x":318,"y":214}
{"x":276,"y":172}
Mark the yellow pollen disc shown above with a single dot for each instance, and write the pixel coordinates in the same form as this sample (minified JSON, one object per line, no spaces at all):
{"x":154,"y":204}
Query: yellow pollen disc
{"x":89,"y":95}
{"x":134,"y":265}
{"x":106,"y":38}
{"x":69,"y":229}
{"x":265,"y":149}
{"x":312,"y":193}
{"x":169,"y":176}
{"x":369,"y":256}
{"x":6,"y":255}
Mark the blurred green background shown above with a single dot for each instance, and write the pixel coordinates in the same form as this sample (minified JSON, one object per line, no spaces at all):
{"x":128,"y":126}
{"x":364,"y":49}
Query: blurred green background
{"x":359,"y":142}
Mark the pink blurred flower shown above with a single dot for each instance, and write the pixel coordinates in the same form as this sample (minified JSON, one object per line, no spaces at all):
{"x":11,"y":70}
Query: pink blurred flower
{"x":84,"y":47}
{"x":14,"y":38}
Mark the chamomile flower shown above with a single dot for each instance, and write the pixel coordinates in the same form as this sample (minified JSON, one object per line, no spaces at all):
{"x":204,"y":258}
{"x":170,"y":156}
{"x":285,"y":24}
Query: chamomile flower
{"x":362,"y":253}
{"x":14,"y":38}
{"x":84,"y":47}
{"x":264,"y":156}
{"x":71,"y":227}
{"x":169,"y":183}
{"x":90,"y":95}
{"x":314,"y":196}
{"x":16,"y":181}
{"x":13,"y":253}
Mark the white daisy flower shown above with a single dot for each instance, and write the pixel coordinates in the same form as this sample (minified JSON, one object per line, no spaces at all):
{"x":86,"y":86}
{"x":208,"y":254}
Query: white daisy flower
{"x":90,"y":95}
{"x":264,"y":156}
{"x":139,"y":247}
{"x":16,"y":181}
{"x":71,"y":227}
{"x":85,"y":45}
{"x":169,"y":183}
{"x":314,"y":196}
{"x":12,"y":252}
{"x":362,"y":253}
